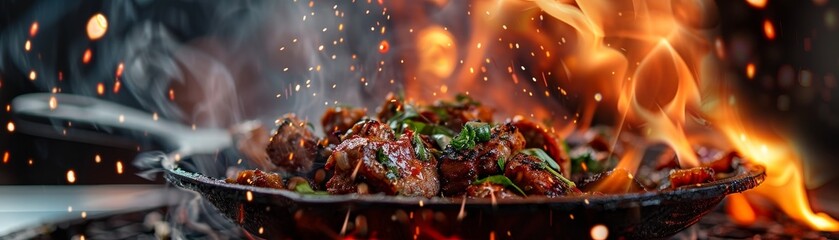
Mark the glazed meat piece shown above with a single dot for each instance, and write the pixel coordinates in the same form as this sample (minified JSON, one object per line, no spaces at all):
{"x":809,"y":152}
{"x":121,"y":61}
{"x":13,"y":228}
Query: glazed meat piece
{"x":685,"y":177}
{"x":615,"y":181}
{"x":538,"y":136}
{"x":530,"y":174}
{"x":370,"y":129}
{"x":365,"y":164}
{"x":487,"y":190}
{"x":258,"y":178}
{"x":338,"y":120}
{"x":459,"y":168}
{"x":293,"y":148}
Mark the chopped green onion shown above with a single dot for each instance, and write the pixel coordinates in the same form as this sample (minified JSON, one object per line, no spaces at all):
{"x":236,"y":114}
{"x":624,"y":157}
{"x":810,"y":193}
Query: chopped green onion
{"x":501,"y":180}
{"x":501,"y":162}
{"x":303,"y":188}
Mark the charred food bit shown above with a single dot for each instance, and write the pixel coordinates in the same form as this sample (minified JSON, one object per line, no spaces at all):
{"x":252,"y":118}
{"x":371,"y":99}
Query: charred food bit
{"x":370,"y":129}
{"x":477,"y":152}
{"x":533,"y":175}
{"x":373,"y":161}
{"x":538,"y":136}
{"x":685,"y":177}
{"x":293,"y":148}
{"x":338,"y":120}
{"x":454,"y":115}
{"x":258,"y":178}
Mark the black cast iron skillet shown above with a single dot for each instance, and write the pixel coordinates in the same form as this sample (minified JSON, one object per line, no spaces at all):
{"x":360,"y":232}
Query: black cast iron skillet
{"x":271,"y":213}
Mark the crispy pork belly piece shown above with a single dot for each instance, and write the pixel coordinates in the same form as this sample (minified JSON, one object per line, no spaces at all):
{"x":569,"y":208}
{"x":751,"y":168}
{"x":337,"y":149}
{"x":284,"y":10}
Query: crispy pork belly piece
{"x":372,"y":164}
{"x":258,"y":178}
{"x":538,"y":136}
{"x":530,"y":174}
{"x":685,"y":177}
{"x":293,"y":148}
{"x":488,"y":190}
{"x":615,"y":181}
{"x":339,"y":120}
{"x":459,"y":168}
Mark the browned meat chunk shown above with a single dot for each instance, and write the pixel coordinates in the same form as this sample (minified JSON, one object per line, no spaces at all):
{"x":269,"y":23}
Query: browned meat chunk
{"x":370,"y":129}
{"x":685,"y":177}
{"x":258,"y":178}
{"x":616,"y":181}
{"x":371,"y":164}
{"x":488,"y":190}
{"x":293,"y":148}
{"x":339,"y":120}
{"x":538,"y":136}
{"x":459,"y":168}
{"x":455,"y":114}
{"x":530,"y":174}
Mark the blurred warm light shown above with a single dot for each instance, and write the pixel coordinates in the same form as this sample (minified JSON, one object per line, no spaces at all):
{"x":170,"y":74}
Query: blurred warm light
{"x":100,"y":89}
{"x":33,"y":30}
{"x":97,"y":26}
{"x":384,"y":46}
{"x":27,"y":46}
{"x":10,"y":126}
{"x":750,"y":70}
{"x":87,"y":56}
{"x":120,"y":68}
{"x":71,"y":176}
{"x":599,"y":232}
{"x":119,"y":167}
{"x":769,"y":29}
{"x":53,"y":103}
{"x":757,"y":3}
{"x":6,"y":157}
{"x":739,"y":209}
{"x":33,"y":75}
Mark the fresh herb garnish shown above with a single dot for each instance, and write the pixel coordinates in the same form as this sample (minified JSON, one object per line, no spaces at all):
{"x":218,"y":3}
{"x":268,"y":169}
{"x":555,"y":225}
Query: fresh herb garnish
{"x":419,"y":148}
{"x":501,"y":180}
{"x":472,"y":133}
{"x":390,"y":166}
{"x":548,"y":163}
{"x":501,"y":163}
{"x":304,"y":188}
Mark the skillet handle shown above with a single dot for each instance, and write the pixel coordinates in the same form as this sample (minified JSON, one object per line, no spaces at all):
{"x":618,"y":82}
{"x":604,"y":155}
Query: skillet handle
{"x":94,"y":121}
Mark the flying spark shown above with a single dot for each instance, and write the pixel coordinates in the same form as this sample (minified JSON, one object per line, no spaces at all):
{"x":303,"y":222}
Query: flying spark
{"x":71,"y":176}
{"x":33,"y":30}
{"x":97,"y":26}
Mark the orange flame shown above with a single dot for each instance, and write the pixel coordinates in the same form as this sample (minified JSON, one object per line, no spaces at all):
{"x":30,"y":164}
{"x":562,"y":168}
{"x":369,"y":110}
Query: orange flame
{"x":650,"y":65}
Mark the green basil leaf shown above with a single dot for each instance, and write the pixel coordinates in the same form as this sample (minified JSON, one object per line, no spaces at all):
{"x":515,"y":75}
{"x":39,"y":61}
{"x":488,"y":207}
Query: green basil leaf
{"x":501,"y":163}
{"x":501,"y":180}
{"x":419,"y":148}
{"x":482,"y":130}
{"x":464,"y":140}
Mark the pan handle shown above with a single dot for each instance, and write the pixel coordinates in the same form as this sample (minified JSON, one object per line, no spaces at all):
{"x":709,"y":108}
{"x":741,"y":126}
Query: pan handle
{"x":94,"y":121}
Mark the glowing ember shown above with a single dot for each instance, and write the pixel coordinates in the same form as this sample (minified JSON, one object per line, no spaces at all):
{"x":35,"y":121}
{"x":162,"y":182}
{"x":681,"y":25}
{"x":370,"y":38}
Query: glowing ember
{"x":27,"y":46}
{"x":119,"y":167}
{"x":71,"y":176}
{"x":10,"y":126}
{"x":750,"y":70}
{"x":97,"y":26}
{"x":33,"y":30}
{"x":171,"y":94}
{"x":100,"y":89}
{"x":97,"y":159}
{"x":120,"y":68}
{"x":757,"y":3}
{"x":384,"y":46}
{"x":599,"y":232}
{"x":6,"y":157}
{"x":87,"y":56}
{"x":117,"y":85}
{"x":769,"y":29}
{"x":53,"y":103}
{"x":32,"y":75}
